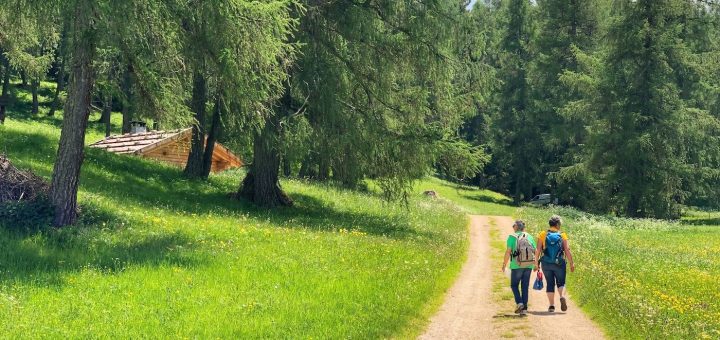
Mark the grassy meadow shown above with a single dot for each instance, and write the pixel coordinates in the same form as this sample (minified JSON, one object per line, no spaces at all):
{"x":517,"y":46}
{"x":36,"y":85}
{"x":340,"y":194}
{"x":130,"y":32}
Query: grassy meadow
{"x":643,"y":279}
{"x":470,"y":200}
{"x":155,"y":255}
{"x":158,"y":256}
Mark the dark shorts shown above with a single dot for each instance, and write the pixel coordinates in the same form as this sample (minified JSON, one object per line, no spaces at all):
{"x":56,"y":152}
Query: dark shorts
{"x":554,"y":275}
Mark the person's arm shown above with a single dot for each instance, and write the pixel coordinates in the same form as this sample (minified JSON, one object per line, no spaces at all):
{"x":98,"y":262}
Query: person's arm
{"x":538,"y":253}
{"x":507,"y":258}
{"x":568,"y":253}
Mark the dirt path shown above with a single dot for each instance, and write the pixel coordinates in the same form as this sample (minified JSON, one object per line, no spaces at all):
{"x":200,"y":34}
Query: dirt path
{"x":467,"y":312}
{"x":471,"y":312}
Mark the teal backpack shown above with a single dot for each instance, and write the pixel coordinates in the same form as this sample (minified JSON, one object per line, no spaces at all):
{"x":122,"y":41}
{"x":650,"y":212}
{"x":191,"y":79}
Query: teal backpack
{"x":553,"y":253}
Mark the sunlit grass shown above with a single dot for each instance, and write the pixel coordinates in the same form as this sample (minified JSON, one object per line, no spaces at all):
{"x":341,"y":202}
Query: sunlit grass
{"x":643,"y":279}
{"x":472,"y":200}
{"x":696,"y":216}
{"x":159,"y":256}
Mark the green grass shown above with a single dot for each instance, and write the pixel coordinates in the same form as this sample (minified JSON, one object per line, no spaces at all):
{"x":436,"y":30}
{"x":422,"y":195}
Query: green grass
{"x":695,"y":216}
{"x":643,"y":279}
{"x":471,"y":200}
{"x":158,"y":256}
{"x":155,"y":255}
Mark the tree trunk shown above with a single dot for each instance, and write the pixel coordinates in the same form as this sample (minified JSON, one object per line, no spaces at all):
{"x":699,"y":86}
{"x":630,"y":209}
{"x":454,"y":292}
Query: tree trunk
{"x":304,"y":169}
{"x":323,"y":168}
{"x":61,"y":71}
{"x":286,"y":167}
{"x":66,"y":173}
{"x":4,"y":97}
{"x":633,"y":206}
{"x":213,"y":136}
{"x":307,"y":168}
{"x":35,"y":85}
{"x":262,"y":184}
{"x":107,"y":114}
{"x":23,"y":77}
{"x":60,"y":88}
{"x":127,"y":108}
{"x":194,"y":166}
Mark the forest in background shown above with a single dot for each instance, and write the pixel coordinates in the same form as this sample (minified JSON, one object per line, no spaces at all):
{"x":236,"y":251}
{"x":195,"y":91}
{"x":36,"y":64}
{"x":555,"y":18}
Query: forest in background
{"x":612,"y":106}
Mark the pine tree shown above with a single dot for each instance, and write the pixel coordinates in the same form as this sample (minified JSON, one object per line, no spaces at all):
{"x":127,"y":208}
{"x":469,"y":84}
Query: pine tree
{"x":476,"y":40}
{"x":372,"y":80}
{"x":516,"y":140}
{"x":66,"y":173}
{"x":237,"y":77}
{"x":642,"y":131}
{"x":566,"y":27}
{"x":91,"y":25}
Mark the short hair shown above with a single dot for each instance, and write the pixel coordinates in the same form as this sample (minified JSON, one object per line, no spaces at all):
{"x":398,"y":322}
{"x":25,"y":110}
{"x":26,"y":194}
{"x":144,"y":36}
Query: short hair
{"x":555,"y":220}
{"x":520,"y":224}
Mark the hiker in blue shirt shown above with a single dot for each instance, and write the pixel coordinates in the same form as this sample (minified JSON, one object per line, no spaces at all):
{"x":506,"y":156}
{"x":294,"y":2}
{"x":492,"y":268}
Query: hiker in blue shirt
{"x":521,"y":254}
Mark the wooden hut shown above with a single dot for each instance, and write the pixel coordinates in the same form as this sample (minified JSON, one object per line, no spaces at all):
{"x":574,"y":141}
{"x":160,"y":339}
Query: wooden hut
{"x":171,"y":147}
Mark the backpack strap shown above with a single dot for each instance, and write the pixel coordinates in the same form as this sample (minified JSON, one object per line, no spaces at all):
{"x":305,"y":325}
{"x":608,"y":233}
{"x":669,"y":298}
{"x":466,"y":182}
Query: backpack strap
{"x":515,"y":250}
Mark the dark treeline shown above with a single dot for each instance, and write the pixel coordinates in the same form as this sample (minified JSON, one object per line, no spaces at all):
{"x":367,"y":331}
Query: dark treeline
{"x":612,"y":106}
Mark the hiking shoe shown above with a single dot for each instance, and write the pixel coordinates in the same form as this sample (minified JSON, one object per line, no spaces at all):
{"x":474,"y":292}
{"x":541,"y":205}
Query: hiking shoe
{"x":519,"y":308}
{"x":525,"y":308}
{"x":563,"y":304}
{"x":523,"y":312}
{"x":551,"y":309}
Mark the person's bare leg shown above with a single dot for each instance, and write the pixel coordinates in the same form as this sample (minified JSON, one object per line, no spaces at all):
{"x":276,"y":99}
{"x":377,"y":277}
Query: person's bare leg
{"x":551,"y":298}
{"x":563,"y":303}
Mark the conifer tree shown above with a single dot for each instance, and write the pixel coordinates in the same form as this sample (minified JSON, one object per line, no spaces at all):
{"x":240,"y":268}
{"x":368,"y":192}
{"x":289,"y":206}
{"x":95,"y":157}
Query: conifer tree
{"x":515,"y":146}
{"x":134,"y":27}
{"x":643,"y":133}
{"x":372,"y":80}
{"x":565,"y":27}
{"x":239,"y":78}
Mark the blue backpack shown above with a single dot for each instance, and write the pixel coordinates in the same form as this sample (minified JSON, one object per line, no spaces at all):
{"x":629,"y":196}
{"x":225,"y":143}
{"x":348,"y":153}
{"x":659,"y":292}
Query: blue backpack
{"x":553,"y":252}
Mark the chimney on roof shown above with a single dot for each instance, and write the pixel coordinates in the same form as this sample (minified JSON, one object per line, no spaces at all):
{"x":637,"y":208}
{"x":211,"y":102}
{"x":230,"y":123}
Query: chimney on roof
{"x":137,"y":127}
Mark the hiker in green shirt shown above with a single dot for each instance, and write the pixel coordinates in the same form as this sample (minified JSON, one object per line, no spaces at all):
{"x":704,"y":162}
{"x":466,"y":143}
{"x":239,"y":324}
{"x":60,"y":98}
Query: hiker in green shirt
{"x":521,"y":254}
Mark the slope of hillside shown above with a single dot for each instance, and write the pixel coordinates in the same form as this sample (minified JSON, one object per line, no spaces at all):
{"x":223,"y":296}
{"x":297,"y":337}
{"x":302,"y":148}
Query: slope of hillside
{"x":470,"y":200}
{"x":159,"y":256}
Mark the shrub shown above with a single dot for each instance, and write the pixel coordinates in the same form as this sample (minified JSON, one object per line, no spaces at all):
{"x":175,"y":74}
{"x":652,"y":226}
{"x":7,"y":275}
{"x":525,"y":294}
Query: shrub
{"x":26,"y":215}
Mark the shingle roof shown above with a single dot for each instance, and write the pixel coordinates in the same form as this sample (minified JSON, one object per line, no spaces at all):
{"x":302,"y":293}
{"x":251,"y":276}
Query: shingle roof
{"x":136,"y":143}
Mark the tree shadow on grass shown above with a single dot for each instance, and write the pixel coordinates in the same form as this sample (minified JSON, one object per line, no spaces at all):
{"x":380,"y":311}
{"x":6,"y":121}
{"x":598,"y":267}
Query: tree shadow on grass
{"x":312,"y":213}
{"x":128,"y":180}
{"x":164,"y":188}
{"x":484,"y":197}
{"x":46,"y":258}
{"x":21,"y":110}
{"x":710,"y":221}
{"x":27,"y":147}
{"x":156,"y":185}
